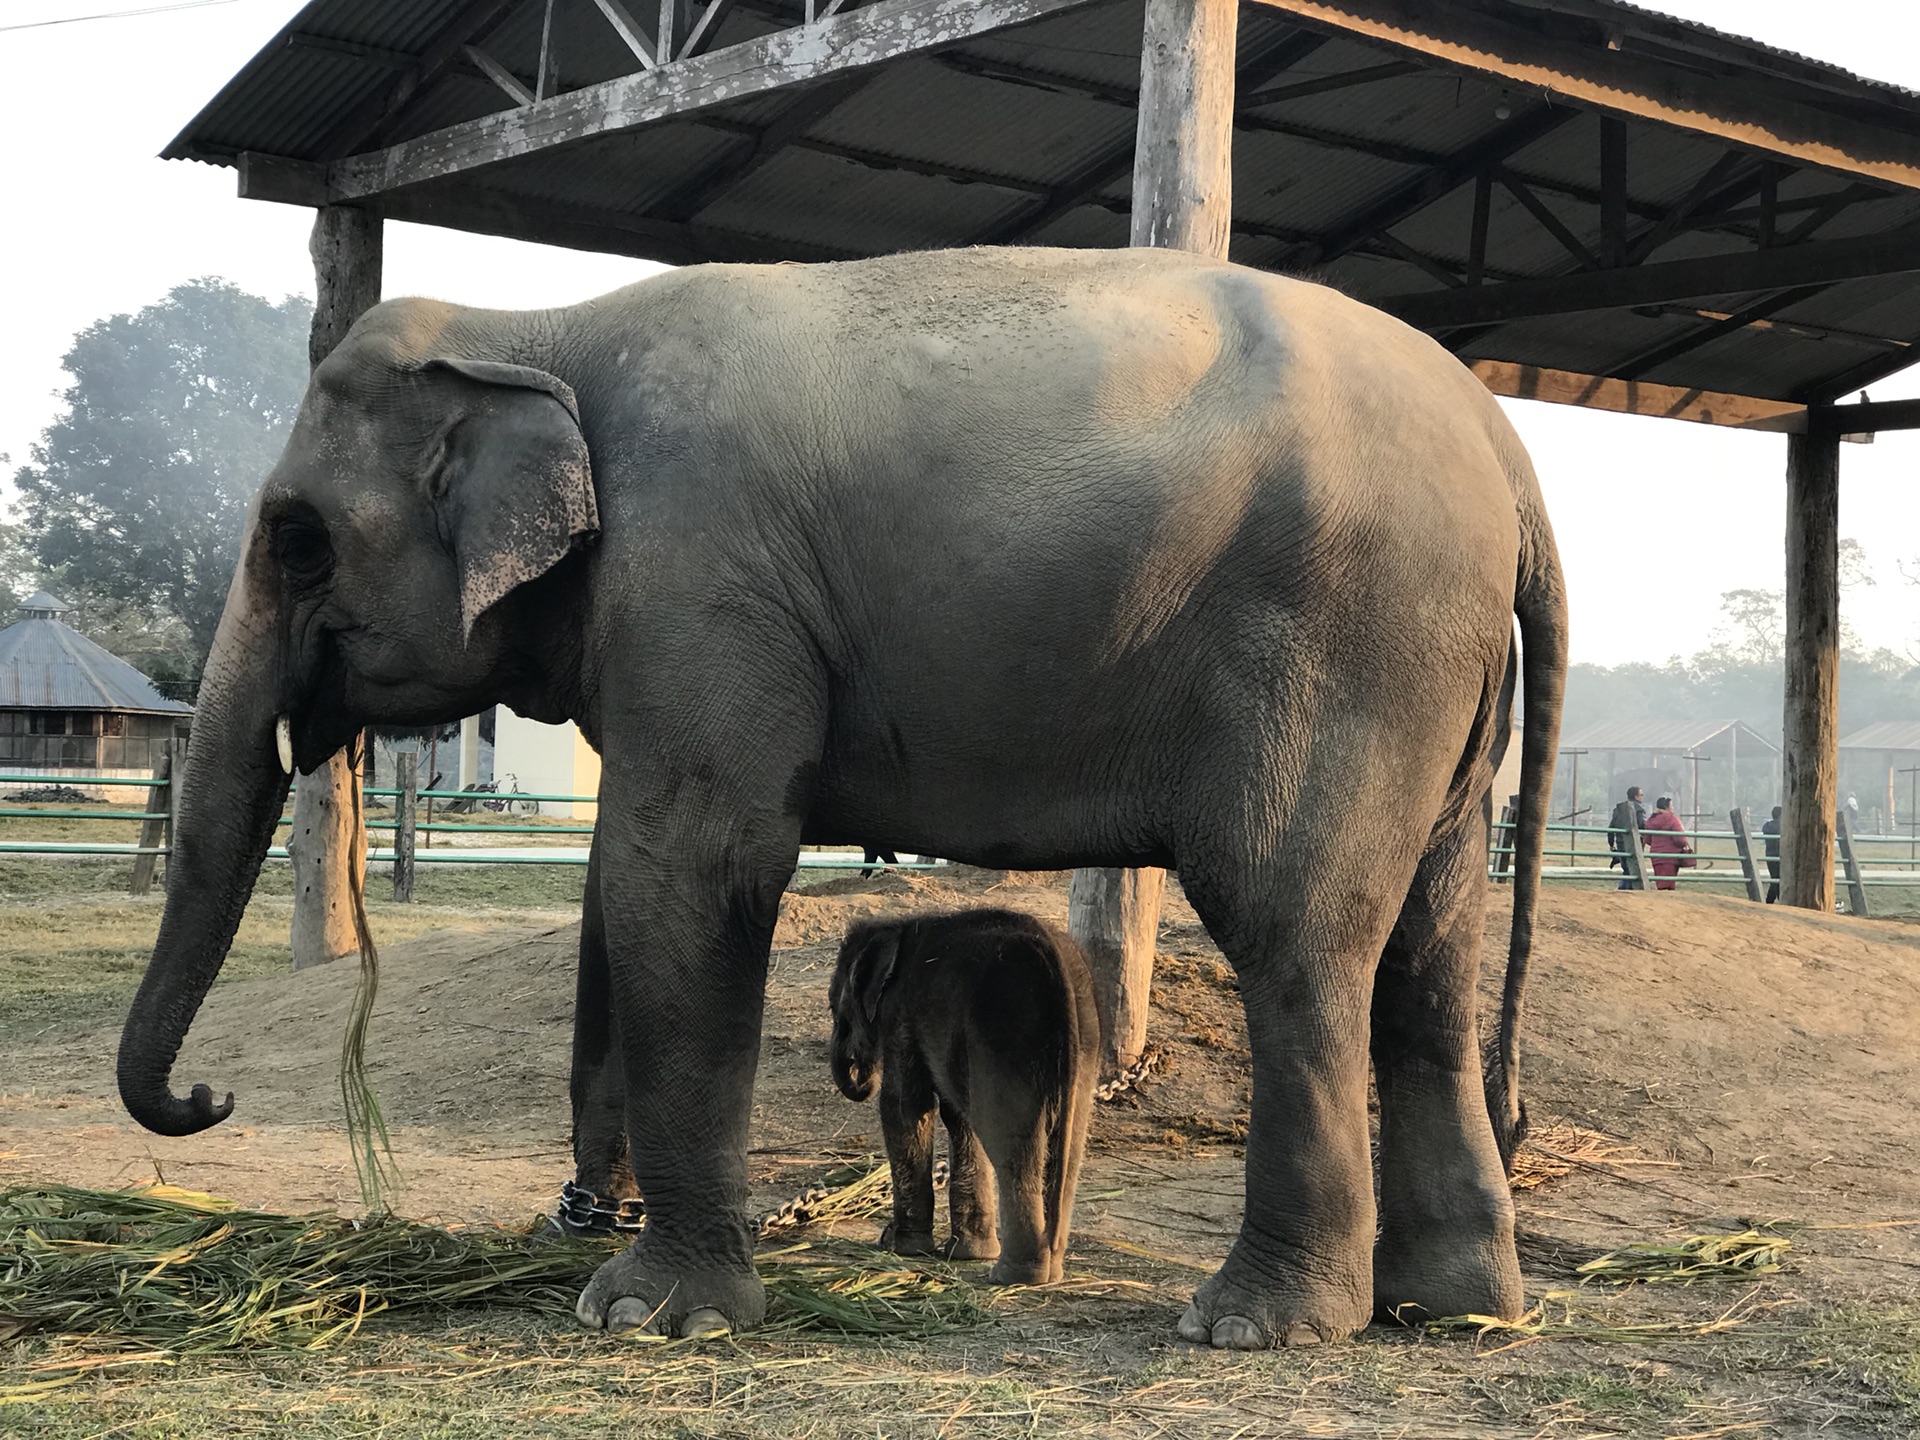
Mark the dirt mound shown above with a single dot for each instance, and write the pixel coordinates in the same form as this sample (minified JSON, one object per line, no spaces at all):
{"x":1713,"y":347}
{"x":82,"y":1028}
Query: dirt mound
{"x":1772,"y":1050}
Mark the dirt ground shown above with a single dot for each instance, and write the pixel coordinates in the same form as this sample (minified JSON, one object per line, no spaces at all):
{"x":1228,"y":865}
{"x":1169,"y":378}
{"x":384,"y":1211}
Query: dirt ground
{"x":1751,"y":1066}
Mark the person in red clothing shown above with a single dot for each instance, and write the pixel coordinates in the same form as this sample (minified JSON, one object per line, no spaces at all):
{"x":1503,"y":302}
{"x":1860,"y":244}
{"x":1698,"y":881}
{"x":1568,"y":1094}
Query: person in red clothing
{"x":1667,"y":840}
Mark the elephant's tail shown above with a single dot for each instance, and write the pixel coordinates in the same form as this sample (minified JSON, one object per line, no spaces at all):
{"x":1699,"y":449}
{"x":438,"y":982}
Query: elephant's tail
{"x":1540,"y":602}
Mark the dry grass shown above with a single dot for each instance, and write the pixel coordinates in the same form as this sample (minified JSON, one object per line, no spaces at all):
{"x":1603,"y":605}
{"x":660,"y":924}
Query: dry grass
{"x":1559,"y":1148}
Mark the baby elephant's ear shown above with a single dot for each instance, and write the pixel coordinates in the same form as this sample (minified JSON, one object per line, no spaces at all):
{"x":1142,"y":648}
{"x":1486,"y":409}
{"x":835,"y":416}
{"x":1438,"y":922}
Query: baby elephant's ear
{"x":512,"y":478}
{"x":872,"y":968}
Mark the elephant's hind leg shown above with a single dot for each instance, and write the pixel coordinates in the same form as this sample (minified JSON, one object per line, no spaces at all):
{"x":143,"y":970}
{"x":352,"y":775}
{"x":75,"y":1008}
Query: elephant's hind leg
{"x":1303,"y":931}
{"x":1446,"y":1235}
{"x":599,"y":1096}
{"x":971,"y":1201}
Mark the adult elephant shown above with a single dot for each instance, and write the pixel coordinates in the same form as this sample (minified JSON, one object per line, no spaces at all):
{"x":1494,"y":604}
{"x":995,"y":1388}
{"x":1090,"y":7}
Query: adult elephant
{"x":1030,"y":558}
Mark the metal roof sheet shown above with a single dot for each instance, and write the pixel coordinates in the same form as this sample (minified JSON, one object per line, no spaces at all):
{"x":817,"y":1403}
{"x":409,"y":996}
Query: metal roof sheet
{"x":956,"y":147}
{"x":47,"y":665}
{"x":1660,"y":736}
{"x":1884,"y":735}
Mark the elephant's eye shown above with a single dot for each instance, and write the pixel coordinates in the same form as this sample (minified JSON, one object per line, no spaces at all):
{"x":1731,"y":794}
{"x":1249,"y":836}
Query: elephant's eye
{"x":304,"y":551}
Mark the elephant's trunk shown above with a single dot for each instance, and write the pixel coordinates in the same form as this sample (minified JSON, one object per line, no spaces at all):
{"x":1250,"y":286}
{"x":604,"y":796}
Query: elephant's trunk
{"x":232,"y":788}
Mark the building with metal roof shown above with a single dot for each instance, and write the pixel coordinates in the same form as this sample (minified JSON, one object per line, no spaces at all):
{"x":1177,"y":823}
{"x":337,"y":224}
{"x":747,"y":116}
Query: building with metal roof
{"x":71,"y":708}
{"x":1666,"y":737}
{"x":1587,"y":202}
{"x":1891,"y":735}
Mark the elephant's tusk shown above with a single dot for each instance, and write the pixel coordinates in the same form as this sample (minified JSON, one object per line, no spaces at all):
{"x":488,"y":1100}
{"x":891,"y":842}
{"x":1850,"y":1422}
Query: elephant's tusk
{"x":283,"y":741}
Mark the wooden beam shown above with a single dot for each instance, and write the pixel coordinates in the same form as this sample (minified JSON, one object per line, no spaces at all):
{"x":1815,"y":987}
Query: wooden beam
{"x":629,"y":31}
{"x":1346,"y":80}
{"x":1872,"y":416}
{"x":1613,"y":190}
{"x":1183,"y":149}
{"x":1810,"y":753}
{"x":1635,"y":397}
{"x":1762,"y":114}
{"x":1725,"y":325}
{"x":1823,"y":262}
{"x":847,"y":44}
{"x":515,"y":88}
{"x":1584,"y":258}
{"x":366,"y":121}
{"x":1443,"y":177}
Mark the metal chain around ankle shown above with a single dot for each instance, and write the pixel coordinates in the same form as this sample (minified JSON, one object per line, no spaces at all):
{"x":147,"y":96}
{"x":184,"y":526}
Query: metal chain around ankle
{"x":583,"y":1211}
{"x":1151,"y":1059}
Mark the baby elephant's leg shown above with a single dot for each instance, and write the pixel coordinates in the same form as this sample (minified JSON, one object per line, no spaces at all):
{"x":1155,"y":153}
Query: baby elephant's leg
{"x":906,"y":1122}
{"x":1014,"y":1130}
{"x":970,"y":1200}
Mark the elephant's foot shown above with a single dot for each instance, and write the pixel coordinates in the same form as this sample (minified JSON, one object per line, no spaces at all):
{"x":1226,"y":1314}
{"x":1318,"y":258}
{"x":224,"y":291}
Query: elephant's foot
{"x":1043,"y":1271}
{"x":656,"y":1294}
{"x":962,"y":1246}
{"x":1421,"y":1272}
{"x":908,"y":1242}
{"x":1244,"y":1306}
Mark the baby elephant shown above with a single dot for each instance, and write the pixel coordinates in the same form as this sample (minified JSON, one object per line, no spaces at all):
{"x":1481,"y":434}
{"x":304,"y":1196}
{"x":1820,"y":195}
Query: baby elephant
{"x":987,"y":1016}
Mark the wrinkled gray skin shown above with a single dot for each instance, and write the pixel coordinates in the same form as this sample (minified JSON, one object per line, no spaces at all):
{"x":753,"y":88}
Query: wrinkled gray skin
{"x":1029,"y":558}
{"x":986,"y":1018}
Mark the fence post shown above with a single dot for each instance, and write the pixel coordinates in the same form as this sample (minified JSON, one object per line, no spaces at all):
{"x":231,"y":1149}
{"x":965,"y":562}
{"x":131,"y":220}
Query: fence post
{"x":1636,"y":855}
{"x":154,"y":826}
{"x":1503,"y":839}
{"x":1743,"y":840}
{"x":406,"y":766}
{"x":1856,"y":890}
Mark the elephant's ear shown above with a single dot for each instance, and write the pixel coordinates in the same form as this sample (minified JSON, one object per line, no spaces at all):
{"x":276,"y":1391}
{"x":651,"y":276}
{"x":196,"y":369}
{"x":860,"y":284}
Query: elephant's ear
{"x":512,"y":479}
{"x":871,"y":970}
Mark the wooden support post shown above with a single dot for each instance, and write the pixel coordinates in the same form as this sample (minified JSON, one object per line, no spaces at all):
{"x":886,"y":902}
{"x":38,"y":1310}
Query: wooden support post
{"x":1182,"y":200}
{"x":1856,"y":889}
{"x":1810,"y":749}
{"x":154,"y":827}
{"x":1183,"y":150}
{"x":1743,"y":842}
{"x":329,"y":851}
{"x":1115,"y":915}
{"x":406,"y":765}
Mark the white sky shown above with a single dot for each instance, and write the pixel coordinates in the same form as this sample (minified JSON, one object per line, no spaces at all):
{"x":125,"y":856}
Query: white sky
{"x":95,"y":224}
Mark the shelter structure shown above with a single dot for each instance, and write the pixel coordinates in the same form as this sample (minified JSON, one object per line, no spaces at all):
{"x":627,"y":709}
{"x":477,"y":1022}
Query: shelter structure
{"x":72,"y":709}
{"x":1587,"y":202}
{"x":1892,"y":747}
{"x":1664,"y":757}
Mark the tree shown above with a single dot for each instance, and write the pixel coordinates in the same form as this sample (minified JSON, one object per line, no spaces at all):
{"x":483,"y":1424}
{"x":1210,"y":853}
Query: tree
{"x":135,"y":498}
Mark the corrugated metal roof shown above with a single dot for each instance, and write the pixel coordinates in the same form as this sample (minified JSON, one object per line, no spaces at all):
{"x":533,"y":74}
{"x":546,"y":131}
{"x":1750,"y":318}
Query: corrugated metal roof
{"x":1665,"y":737}
{"x":1884,"y":735}
{"x":47,"y":665}
{"x":911,"y":157}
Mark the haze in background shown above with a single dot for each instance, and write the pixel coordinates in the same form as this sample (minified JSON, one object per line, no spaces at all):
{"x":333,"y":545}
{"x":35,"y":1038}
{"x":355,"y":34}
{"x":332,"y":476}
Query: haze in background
{"x":1656,"y":518}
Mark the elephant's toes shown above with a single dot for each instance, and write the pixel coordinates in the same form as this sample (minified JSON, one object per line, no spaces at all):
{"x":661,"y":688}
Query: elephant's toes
{"x":973,"y":1247}
{"x":1019,"y":1272}
{"x":1256,"y":1313}
{"x":637,"y":1290}
{"x":908,"y":1242}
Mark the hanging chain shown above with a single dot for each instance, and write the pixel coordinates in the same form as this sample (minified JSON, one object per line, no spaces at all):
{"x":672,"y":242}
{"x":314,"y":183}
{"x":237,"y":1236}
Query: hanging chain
{"x":1151,"y":1059}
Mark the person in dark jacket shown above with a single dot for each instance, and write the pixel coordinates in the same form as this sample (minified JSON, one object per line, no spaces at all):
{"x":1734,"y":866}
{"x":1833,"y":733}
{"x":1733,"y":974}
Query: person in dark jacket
{"x":1630,"y":811}
{"x":1770,"y":833}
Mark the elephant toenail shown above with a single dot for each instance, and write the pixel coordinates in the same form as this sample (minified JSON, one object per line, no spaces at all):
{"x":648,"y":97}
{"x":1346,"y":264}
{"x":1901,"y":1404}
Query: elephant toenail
{"x":1193,"y":1327}
{"x":1300,"y":1335}
{"x":588,"y":1312}
{"x":703,"y":1322}
{"x":1237,"y":1332}
{"x":629,"y":1313}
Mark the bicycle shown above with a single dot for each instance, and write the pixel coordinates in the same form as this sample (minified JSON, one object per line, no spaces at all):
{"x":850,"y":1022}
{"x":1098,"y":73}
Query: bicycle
{"x":510,"y":801}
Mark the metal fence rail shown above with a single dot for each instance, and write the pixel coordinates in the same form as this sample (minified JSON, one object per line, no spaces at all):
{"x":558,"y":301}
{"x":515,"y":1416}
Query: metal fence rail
{"x":1731,"y":858}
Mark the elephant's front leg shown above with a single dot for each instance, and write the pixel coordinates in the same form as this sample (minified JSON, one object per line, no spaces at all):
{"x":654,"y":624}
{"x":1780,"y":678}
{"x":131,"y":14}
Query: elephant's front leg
{"x":690,"y":889}
{"x":907,"y":1108}
{"x":602,"y":1175}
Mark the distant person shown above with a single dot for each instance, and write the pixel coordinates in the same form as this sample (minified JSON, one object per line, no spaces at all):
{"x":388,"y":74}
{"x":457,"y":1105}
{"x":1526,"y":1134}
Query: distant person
{"x":875,"y":857}
{"x":1853,"y":815}
{"x":1630,"y":811}
{"x":1770,"y":832}
{"x":1667,"y":839}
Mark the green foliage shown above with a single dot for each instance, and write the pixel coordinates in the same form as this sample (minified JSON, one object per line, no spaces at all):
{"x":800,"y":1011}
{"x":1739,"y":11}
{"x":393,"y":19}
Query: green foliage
{"x":133,"y":502}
